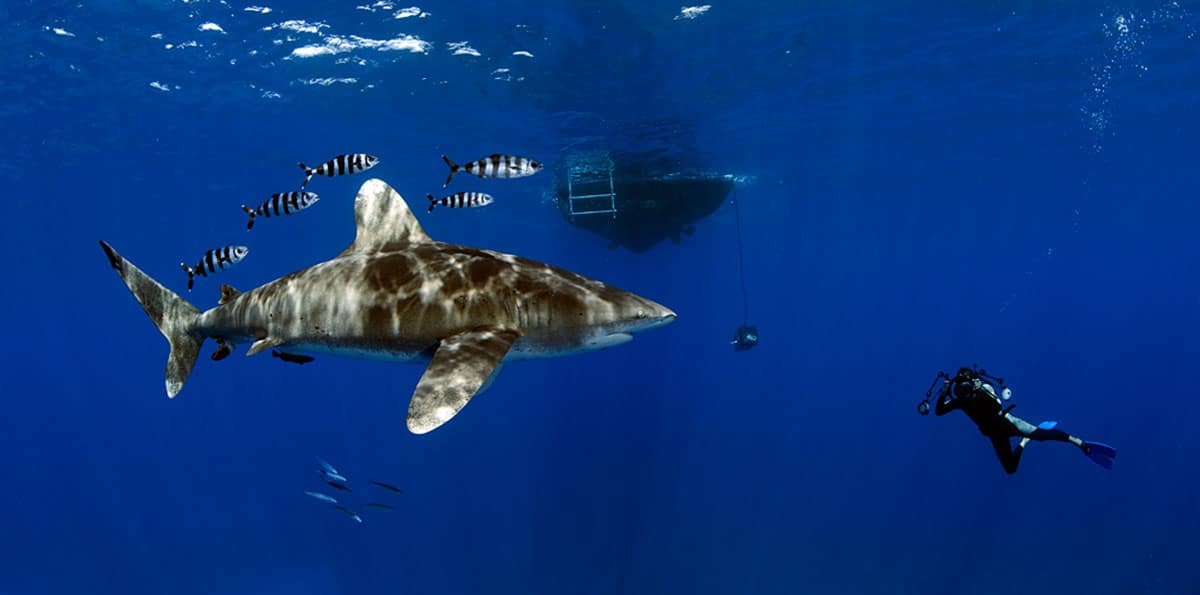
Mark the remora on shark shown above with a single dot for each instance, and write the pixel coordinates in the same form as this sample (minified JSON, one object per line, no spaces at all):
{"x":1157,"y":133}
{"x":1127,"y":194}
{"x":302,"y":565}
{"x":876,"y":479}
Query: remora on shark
{"x":396,"y":294}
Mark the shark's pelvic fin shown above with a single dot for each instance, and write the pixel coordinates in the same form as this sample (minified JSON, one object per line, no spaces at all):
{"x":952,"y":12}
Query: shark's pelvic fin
{"x":172,"y":315}
{"x":382,"y":219}
{"x":463,"y":365}
{"x":262,"y":345}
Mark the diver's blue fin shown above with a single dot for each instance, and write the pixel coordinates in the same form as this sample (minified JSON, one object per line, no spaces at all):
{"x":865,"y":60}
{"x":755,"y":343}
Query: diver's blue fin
{"x":1100,"y":453}
{"x":1047,"y":425}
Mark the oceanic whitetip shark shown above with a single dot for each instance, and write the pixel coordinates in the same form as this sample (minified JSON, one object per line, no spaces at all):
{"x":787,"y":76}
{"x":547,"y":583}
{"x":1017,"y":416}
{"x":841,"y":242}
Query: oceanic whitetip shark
{"x":395,"y":294}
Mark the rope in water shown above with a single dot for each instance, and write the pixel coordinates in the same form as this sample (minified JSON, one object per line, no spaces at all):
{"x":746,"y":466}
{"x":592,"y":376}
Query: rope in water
{"x":741,"y":260}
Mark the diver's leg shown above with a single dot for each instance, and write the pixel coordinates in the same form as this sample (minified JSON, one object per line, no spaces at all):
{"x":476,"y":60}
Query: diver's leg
{"x":1055,"y":436}
{"x":1029,"y":432}
{"x":1009,"y":457}
{"x":1100,"y":453}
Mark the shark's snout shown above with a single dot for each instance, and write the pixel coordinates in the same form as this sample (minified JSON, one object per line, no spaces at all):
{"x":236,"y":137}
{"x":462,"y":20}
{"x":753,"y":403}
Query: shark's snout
{"x":667,"y":316}
{"x":652,"y":316}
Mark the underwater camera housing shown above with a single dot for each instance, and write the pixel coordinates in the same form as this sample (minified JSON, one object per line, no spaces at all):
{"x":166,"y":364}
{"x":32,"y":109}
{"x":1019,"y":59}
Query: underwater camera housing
{"x":745,"y":337}
{"x":979,"y":374}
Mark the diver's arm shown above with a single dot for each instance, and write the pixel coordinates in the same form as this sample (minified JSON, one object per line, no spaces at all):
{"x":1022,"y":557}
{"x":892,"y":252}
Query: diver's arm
{"x":945,"y":403}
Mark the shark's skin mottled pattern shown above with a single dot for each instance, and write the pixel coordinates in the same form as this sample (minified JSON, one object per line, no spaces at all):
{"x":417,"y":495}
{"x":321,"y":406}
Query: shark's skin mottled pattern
{"x":397,"y":304}
{"x":395,"y":294}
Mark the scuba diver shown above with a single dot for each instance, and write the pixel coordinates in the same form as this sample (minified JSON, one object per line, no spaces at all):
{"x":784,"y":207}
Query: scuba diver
{"x":970,"y":391}
{"x":745,"y":337}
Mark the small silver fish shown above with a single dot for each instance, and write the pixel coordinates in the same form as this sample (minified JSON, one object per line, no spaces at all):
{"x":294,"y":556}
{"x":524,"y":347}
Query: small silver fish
{"x":495,"y":166}
{"x":341,"y":165}
{"x":281,"y":203}
{"x":214,"y":260}
{"x":332,"y":476}
{"x":352,"y":514}
{"x":460,"y":200}
{"x":322,"y":497}
{"x":326,"y":466}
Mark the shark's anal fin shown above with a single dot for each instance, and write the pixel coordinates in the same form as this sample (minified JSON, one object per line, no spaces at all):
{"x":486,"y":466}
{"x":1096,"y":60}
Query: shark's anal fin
{"x":263,"y":344}
{"x":223,"y":350}
{"x":227,"y":293}
{"x":463,"y":365}
{"x":383,"y":219}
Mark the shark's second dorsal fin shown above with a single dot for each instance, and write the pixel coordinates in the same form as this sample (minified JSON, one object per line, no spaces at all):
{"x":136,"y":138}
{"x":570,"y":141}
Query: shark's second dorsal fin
{"x":383,"y":219}
{"x":227,"y":293}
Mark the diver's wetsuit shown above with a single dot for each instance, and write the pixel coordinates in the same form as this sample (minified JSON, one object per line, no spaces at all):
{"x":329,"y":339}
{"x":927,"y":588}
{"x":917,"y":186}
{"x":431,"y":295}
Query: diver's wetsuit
{"x":979,"y":401}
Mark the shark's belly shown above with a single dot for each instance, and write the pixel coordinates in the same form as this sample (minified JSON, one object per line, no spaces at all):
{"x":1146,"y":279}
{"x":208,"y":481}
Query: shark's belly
{"x":371,"y":352}
{"x":524,"y":348}
{"x":537,"y":347}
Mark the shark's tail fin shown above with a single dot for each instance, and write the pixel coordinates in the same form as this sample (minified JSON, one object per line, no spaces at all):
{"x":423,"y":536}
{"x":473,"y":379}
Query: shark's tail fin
{"x":172,"y":315}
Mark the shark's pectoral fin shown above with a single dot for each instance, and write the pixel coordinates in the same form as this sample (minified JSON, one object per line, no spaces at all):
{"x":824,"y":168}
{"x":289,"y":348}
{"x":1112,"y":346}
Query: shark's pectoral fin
{"x":263,"y":345}
{"x":491,"y":378}
{"x":463,"y":365}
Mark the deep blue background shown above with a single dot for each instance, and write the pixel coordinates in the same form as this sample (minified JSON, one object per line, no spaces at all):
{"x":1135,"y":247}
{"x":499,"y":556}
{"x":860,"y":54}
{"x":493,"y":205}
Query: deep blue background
{"x":1013,"y":185}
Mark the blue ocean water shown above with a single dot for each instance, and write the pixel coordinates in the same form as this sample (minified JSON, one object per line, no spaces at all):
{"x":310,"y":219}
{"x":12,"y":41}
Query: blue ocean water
{"x":921,"y":186}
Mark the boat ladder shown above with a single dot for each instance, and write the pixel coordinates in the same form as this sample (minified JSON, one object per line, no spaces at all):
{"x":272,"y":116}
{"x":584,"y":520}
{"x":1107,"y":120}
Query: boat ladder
{"x":597,"y":195}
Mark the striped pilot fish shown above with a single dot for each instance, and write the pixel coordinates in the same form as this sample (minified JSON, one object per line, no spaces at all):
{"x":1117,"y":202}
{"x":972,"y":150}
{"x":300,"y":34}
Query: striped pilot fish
{"x":495,"y":166}
{"x":460,"y":200}
{"x":281,"y":203}
{"x":214,"y":260}
{"x":339,"y":166}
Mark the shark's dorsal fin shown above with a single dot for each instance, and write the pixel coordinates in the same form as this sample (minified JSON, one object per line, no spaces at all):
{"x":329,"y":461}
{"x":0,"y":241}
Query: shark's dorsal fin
{"x":462,"y":367}
{"x":227,"y":293}
{"x":383,"y":219}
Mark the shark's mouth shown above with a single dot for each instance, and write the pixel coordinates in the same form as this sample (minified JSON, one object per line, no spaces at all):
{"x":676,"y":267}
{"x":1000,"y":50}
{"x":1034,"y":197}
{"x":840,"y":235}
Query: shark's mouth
{"x":606,"y":341}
